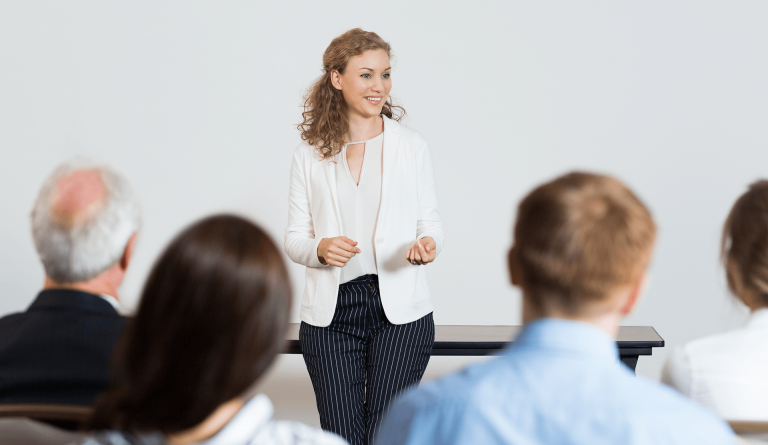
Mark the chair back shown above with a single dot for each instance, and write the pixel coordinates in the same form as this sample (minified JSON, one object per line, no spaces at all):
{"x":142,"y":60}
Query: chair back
{"x":750,"y":432}
{"x":69,"y":417}
{"x":748,"y":427}
{"x":20,"y":430}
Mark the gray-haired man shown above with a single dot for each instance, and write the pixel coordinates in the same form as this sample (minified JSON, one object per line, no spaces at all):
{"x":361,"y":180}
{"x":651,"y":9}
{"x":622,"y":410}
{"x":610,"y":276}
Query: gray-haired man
{"x":84,"y":224}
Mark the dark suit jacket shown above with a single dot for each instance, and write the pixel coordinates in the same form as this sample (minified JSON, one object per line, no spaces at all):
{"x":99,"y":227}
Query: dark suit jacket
{"x":58,"y":351}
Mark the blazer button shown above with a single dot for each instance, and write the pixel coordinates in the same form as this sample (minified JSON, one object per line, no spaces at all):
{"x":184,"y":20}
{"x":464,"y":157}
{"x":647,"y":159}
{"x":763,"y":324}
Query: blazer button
{"x":380,"y":240}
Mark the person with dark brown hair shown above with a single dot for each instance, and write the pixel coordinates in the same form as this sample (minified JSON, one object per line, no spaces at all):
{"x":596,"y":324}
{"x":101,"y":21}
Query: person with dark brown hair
{"x":726,"y":372}
{"x":582,"y":243}
{"x":364,"y":221}
{"x":212,"y":319}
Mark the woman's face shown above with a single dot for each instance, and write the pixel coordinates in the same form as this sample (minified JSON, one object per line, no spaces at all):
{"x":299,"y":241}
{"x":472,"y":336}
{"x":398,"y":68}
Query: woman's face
{"x":365,"y":83}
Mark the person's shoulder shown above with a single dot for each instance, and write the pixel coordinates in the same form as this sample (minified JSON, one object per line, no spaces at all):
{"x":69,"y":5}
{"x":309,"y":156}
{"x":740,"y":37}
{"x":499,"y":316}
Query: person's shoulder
{"x":656,"y":404}
{"x":433,"y":410}
{"x":450,"y":410}
{"x":118,"y":323}
{"x":12,"y":318}
{"x":714,"y":354}
{"x":305,"y":150}
{"x":460,"y":388}
{"x":16,"y":326}
{"x":286,"y":432}
{"x":722,"y":342}
{"x":412,"y":136}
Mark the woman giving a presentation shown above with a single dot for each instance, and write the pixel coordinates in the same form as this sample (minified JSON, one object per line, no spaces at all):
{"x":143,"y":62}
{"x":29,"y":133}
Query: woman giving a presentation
{"x":363,"y":219}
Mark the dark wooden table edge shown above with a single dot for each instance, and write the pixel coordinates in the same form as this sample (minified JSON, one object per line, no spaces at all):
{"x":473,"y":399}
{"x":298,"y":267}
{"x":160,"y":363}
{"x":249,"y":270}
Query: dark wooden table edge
{"x":295,"y":348}
{"x":629,"y":351}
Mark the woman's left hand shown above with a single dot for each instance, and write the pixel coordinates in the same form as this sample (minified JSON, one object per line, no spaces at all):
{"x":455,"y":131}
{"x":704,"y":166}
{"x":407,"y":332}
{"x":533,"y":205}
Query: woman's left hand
{"x":422,"y":252}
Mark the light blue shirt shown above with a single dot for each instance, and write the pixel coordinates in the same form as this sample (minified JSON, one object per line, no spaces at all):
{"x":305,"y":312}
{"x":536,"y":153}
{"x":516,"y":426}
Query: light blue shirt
{"x":559,"y":383}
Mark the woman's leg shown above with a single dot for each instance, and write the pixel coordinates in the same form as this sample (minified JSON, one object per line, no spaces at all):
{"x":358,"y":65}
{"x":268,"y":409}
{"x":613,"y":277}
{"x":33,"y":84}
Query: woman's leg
{"x":335,"y":357}
{"x":397,"y":358}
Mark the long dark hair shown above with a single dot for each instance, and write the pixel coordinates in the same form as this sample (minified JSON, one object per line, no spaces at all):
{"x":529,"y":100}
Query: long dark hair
{"x":212,"y":318}
{"x":744,"y":245}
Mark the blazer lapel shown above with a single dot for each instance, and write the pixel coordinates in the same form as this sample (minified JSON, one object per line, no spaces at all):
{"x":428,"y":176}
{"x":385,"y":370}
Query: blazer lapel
{"x":389,"y":155}
{"x":330,"y":176}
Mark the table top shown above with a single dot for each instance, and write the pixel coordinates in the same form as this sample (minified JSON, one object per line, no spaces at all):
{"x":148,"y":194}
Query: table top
{"x":496,"y":337}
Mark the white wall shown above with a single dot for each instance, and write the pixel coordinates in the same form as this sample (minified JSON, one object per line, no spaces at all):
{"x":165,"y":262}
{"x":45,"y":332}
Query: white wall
{"x":196,"y":102}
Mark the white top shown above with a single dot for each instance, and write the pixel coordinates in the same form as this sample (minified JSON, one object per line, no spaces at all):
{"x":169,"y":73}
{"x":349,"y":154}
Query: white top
{"x":359,"y":206}
{"x":252,"y":425}
{"x":726,"y":372}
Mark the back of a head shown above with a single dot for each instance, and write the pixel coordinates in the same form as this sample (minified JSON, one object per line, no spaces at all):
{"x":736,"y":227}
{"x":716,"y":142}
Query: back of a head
{"x":578,"y":238}
{"x":212,"y":318}
{"x":745,"y":246}
{"x":82,"y":220}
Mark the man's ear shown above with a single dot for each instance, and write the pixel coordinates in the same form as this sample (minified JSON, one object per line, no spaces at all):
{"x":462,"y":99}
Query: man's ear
{"x":514,"y":267}
{"x":128,"y":252}
{"x":336,"y":79}
{"x":634,"y":296}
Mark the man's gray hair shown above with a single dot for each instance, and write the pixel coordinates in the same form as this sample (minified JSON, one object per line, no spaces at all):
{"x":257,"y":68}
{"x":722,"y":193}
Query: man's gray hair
{"x":81,"y":251}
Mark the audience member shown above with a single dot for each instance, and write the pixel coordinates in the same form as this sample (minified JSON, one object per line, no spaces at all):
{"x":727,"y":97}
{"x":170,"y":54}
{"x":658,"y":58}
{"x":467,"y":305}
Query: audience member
{"x":582,"y":244}
{"x":84,"y":225}
{"x":727,"y":372}
{"x":212,"y":318}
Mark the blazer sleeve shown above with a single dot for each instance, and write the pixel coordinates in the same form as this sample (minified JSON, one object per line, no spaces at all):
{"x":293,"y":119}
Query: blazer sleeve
{"x":429,"y":222}
{"x":300,"y":242}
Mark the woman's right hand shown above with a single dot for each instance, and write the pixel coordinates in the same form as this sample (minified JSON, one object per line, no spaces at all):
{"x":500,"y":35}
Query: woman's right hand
{"x":336,"y":251}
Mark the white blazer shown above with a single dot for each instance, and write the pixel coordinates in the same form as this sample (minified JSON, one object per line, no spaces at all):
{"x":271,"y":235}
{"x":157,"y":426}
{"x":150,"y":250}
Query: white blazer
{"x":727,"y":372}
{"x":408,"y":212}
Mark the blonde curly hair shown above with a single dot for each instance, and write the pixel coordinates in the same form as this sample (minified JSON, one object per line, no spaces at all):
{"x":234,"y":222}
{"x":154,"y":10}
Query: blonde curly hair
{"x":325,"y":111}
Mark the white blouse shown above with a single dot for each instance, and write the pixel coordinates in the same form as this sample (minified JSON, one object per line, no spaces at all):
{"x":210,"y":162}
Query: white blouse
{"x":252,"y":425}
{"x":359,"y":206}
{"x":726,"y":372}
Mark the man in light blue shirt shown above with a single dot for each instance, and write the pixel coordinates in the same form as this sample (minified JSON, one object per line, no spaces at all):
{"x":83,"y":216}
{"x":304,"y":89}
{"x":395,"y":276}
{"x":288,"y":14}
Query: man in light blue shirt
{"x":582,"y":244}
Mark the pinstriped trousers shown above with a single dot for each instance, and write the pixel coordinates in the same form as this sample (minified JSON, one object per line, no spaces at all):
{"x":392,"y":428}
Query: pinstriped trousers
{"x":361,"y":361}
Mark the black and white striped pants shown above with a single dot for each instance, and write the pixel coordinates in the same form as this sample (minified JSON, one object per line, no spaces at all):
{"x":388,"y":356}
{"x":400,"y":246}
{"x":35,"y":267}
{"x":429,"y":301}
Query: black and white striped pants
{"x":361,"y":361}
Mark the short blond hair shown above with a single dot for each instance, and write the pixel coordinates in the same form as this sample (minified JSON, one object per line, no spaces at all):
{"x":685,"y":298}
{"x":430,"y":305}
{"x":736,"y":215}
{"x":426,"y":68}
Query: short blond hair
{"x":578,"y":238}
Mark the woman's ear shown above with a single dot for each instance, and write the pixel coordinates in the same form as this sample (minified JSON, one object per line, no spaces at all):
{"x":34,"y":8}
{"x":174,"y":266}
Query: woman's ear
{"x":336,"y":79}
{"x":514,"y":267}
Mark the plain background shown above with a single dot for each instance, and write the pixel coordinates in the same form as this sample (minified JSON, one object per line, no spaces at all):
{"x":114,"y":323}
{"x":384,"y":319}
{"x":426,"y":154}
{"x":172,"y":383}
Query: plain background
{"x":196,"y":103}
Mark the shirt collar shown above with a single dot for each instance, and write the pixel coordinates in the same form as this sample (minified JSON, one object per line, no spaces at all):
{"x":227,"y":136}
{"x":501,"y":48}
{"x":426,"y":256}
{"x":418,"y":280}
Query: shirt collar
{"x":251,"y":417}
{"x":111,"y":300}
{"x":567,"y":335}
{"x":758,"y":318}
{"x":71,"y":300}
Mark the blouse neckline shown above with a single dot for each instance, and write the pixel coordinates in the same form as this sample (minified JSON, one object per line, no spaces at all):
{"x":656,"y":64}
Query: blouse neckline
{"x":366,"y":141}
